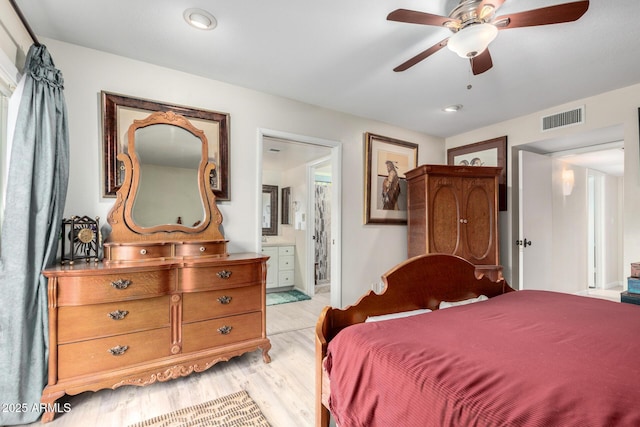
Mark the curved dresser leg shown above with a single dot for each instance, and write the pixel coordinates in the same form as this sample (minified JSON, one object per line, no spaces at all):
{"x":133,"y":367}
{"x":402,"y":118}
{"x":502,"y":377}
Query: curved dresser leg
{"x":265,"y":353}
{"x":49,"y":399}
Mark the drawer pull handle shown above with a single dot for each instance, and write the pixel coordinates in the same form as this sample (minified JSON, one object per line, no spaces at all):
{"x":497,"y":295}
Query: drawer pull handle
{"x":118,"y":350}
{"x":202,"y":249}
{"x":225,"y":330}
{"x":118,"y":314}
{"x":224,"y":299}
{"x":224,"y":274}
{"x":121,"y":284}
{"x":143,"y":251}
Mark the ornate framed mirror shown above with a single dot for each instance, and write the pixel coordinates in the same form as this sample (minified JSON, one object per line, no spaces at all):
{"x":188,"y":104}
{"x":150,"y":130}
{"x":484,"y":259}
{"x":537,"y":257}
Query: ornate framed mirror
{"x":119,"y":112}
{"x":269,"y":210}
{"x":166,"y":195}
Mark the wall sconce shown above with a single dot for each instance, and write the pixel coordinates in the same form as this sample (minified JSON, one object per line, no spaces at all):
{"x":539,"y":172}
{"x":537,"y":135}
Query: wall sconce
{"x":568,"y":181}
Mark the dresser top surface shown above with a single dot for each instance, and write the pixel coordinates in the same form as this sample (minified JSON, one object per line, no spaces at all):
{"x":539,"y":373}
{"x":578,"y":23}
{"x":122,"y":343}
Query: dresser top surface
{"x":92,"y":268}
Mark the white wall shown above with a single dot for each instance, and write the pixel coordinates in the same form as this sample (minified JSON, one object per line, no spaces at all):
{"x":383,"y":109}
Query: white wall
{"x":368,"y":251}
{"x":618,"y":107}
{"x":614,"y":273}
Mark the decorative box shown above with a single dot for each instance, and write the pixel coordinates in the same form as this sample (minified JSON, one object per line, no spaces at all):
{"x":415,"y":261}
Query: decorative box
{"x":633,"y":285}
{"x":630,"y":298}
{"x":635,"y":269}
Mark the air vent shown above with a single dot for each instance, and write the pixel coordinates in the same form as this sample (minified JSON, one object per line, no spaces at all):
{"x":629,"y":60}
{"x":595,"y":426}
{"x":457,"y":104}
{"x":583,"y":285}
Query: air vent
{"x":564,"y":119}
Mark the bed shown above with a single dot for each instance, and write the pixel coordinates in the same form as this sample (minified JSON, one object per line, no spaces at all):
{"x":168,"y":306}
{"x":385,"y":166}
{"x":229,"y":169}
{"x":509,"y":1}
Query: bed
{"x":518,"y":358}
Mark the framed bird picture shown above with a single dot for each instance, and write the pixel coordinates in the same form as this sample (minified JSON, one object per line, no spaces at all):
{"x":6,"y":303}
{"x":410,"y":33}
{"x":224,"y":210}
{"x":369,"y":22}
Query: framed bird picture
{"x":386,"y":161}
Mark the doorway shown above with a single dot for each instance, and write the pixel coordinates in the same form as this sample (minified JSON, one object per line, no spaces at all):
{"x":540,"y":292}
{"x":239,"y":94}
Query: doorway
{"x":293,"y":161}
{"x":585,"y":250}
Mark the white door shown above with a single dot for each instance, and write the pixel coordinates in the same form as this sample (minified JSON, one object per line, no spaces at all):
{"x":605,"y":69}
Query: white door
{"x":535,"y":221}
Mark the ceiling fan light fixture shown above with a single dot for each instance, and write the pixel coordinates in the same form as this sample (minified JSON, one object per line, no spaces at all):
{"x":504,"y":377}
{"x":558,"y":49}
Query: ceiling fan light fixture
{"x":486,"y":12}
{"x":471,"y":41}
{"x":200,"y":19}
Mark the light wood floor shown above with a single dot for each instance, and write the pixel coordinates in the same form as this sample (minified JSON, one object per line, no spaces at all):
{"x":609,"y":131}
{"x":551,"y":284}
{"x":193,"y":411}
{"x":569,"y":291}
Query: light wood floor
{"x":284,"y":389}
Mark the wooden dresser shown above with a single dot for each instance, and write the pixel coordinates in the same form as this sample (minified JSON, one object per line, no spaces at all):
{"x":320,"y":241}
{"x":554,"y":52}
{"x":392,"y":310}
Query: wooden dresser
{"x":454,"y":210}
{"x":168,"y":300}
{"x":125,"y":324}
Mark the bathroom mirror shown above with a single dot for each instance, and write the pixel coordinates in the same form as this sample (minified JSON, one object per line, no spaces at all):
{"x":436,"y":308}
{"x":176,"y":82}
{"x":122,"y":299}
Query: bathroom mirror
{"x":269,"y":210}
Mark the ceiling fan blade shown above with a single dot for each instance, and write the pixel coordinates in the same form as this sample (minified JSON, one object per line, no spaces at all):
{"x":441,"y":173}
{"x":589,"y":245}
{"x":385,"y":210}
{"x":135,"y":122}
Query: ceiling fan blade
{"x":557,"y":14}
{"x":414,"y":17}
{"x":423,"y":55}
{"x":481,"y":63}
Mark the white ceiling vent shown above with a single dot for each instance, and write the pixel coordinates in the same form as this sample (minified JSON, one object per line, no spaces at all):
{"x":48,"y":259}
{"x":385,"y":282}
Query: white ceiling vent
{"x":563,"y":119}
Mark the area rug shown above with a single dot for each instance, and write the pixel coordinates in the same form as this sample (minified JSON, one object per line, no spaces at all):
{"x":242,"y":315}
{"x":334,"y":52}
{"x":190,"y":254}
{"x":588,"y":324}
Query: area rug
{"x":284,"y":297}
{"x":234,"y":410}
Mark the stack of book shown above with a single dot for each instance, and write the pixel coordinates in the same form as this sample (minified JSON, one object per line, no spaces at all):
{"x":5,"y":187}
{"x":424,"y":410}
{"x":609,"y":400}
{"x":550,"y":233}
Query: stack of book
{"x":632,"y":294}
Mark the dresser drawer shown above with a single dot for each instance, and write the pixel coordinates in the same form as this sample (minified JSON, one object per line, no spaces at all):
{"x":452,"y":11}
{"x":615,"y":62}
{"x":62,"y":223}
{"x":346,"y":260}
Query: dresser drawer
{"x":138,"y":252}
{"x":207,"y":305}
{"x":222,"y":276}
{"x":286,"y":262}
{"x":211,"y":333}
{"x":91,"y":356}
{"x":97,"y":289}
{"x":77,"y":323}
{"x":201,"y":249}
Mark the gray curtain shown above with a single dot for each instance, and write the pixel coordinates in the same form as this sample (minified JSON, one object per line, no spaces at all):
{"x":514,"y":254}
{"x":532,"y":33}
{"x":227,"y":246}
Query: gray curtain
{"x":36,"y":192}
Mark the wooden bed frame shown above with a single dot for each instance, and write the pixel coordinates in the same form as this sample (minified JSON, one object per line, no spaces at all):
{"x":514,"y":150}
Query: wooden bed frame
{"x":420,"y":282}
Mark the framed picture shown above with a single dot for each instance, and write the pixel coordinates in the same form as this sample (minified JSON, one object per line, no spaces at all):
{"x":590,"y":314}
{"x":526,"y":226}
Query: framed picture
{"x":119,"y":111}
{"x":492,"y":152}
{"x":386,"y":162}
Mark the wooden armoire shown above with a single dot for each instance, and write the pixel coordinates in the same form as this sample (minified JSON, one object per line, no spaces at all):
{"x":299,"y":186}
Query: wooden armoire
{"x":454,"y":210}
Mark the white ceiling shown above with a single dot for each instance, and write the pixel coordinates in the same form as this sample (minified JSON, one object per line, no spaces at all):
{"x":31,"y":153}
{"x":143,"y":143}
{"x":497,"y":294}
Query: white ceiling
{"x":609,"y":161}
{"x":281,"y":155}
{"x":340,"y":54}
{"x":600,"y":149}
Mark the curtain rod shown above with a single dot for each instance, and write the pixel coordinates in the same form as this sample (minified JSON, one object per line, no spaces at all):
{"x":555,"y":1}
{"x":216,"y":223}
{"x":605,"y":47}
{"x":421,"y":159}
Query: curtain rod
{"x":24,"y":22}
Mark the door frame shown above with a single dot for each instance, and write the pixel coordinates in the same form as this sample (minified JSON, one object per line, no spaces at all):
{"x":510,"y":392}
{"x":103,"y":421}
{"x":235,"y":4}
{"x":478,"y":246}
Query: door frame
{"x":336,"y":206}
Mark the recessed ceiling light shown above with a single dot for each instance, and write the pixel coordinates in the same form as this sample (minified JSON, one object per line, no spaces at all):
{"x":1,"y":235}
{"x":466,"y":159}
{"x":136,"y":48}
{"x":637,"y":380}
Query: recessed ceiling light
{"x":452,"y":108}
{"x":200,"y":19}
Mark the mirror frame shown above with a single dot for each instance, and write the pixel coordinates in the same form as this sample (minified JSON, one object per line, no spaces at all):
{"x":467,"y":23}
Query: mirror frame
{"x":272,"y":190}
{"x":111,"y":102}
{"x":124,"y":228}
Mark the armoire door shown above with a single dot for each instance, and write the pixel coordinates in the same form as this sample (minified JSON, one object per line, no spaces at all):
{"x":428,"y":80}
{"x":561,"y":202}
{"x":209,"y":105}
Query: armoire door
{"x":445,"y":220}
{"x":477,"y":220}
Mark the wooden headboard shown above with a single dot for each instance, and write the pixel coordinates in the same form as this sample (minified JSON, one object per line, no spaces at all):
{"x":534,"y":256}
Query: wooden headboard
{"x":420,"y":282}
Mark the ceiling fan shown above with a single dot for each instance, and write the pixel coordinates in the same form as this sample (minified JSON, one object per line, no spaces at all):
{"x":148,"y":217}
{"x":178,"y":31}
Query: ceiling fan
{"x":474,"y":26}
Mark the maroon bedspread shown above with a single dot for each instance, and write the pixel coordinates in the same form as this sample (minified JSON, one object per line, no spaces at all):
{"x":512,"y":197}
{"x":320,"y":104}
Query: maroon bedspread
{"x":526,"y":358}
